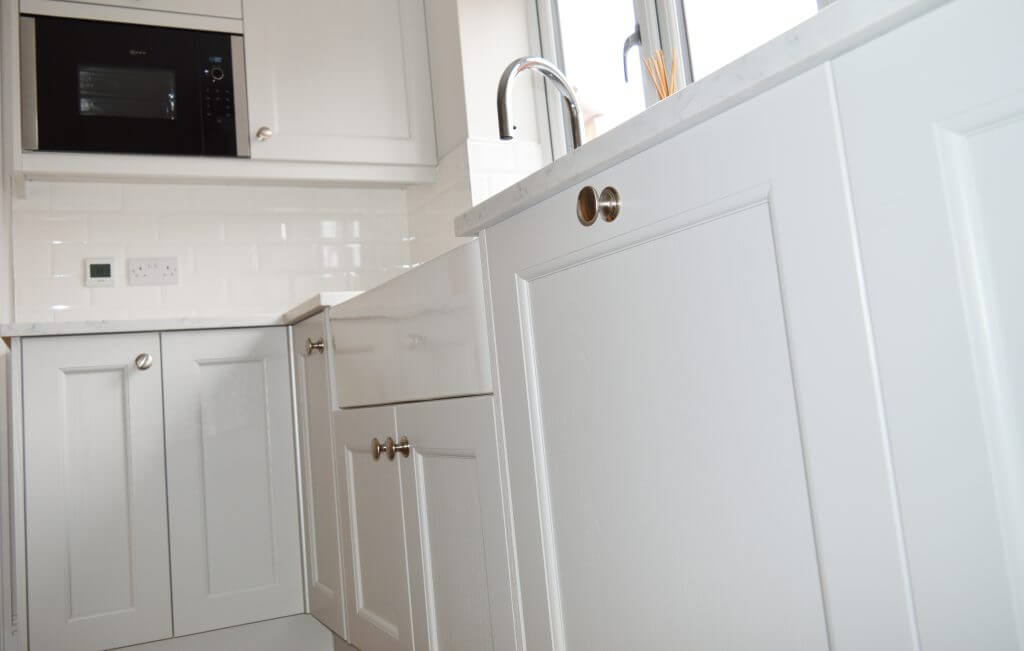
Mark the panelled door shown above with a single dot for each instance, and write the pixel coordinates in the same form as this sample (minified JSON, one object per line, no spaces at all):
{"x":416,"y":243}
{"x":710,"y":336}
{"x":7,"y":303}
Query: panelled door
{"x":374,"y":547}
{"x":235,"y":543}
{"x":936,"y":188}
{"x":462,"y":596}
{"x":311,"y":356}
{"x":688,"y":396}
{"x":95,"y":501}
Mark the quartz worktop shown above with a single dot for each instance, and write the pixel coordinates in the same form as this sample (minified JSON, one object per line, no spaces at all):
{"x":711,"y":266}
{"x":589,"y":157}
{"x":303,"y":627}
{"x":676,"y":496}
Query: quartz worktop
{"x":837,"y":28}
{"x":299,"y":312}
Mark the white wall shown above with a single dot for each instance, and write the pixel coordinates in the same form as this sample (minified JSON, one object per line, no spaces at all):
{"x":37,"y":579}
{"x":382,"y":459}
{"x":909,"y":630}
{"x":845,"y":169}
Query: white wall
{"x":241,"y":250}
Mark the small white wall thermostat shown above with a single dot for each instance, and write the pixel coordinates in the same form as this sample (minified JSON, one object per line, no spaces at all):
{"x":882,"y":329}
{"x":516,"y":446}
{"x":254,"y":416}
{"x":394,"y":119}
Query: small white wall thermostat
{"x":99,"y":272}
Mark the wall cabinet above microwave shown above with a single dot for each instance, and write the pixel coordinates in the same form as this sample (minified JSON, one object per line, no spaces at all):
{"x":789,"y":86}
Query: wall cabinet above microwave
{"x":337,"y":93}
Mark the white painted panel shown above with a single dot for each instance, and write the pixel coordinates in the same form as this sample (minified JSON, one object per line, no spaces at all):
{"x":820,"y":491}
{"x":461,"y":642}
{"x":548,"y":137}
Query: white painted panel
{"x":95,"y":498}
{"x":625,"y":373}
{"x":935,"y":181}
{"x":462,"y":591}
{"x":222,"y":8}
{"x":232,"y":492}
{"x":344,"y":81}
{"x":314,"y":395}
{"x":374,"y":548}
{"x":706,"y":420}
{"x":419,"y":336}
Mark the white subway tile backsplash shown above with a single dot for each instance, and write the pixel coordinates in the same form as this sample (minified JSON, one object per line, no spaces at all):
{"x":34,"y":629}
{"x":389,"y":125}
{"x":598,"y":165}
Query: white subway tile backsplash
{"x":189,"y":228}
{"x":240,"y":250}
{"x":285,"y":258}
{"x":85,"y":196}
{"x":225,"y":259}
{"x":122,"y":227}
{"x":47,"y":227}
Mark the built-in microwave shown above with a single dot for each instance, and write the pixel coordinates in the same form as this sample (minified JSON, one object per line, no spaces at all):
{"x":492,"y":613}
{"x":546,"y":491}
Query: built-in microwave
{"x":92,"y":86}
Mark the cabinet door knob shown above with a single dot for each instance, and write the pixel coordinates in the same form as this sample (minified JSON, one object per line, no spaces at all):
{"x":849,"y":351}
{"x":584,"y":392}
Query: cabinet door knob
{"x":376,"y":448}
{"x":264,"y":134}
{"x":317,"y":345}
{"x":402,"y":447}
{"x":390,"y":448}
{"x":590,"y":204}
{"x":143,"y":361}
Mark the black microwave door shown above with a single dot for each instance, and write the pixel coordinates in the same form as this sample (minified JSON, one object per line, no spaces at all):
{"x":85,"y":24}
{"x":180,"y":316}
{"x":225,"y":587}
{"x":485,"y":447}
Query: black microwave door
{"x":115,"y":87}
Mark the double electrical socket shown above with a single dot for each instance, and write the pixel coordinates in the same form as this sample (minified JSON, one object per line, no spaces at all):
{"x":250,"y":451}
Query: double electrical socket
{"x":152,"y":271}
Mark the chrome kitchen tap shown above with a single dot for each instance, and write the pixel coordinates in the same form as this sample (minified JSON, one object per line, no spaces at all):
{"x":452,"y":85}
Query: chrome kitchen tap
{"x":558,"y":79}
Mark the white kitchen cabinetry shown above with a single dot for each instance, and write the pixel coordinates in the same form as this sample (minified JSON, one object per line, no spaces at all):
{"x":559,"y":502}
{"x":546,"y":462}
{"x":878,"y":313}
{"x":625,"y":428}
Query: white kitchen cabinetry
{"x":455,"y":524}
{"x":375,"y":564}
{"x":220,"y":8}
{"x":311,"y":356}
{"x":688,"y":398}
{"x":425,"y":556}
{"x":95,"y":501}
{"x":231,"y":476}
{"x":935,"y":181}
{"x":339,"y":81}
{"x":420,"y":336}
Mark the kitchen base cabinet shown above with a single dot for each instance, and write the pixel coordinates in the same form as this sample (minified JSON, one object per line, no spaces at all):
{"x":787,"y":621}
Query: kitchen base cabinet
{"x":425,"y":557}
{"x":95,"y":501}
{"x":454,"y":524}
{"x":231,"y":475}
{"x":311,"y":356}
{"x":376,"y":570}
{"x":935,"y":179}
{"x":695,"y":451}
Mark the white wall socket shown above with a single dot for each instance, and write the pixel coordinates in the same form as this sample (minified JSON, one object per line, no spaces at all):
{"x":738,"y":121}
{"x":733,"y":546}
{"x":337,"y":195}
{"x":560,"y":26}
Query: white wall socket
{"x":152,"y":271}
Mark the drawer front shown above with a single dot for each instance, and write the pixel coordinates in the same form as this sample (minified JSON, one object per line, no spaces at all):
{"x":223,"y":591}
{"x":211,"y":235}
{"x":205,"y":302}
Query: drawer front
{"x":420,"y":336}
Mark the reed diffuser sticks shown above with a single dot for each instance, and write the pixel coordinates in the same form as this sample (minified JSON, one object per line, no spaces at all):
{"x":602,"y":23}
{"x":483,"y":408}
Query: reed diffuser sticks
{"x":662,"y":78}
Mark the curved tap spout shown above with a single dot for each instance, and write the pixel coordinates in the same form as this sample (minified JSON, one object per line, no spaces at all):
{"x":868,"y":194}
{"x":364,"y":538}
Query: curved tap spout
{"x":559,"y":81}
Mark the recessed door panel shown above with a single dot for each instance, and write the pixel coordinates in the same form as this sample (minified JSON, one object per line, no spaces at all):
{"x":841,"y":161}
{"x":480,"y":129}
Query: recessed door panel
{"x":664,"y":463}
{"x":233,"y":500}
{"x":377,"y":579}
{"x":95,"y":500}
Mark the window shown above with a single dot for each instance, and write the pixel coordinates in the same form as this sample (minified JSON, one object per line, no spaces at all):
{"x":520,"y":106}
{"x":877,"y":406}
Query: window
{"x":599,"y":47}
{"x":721,"y":31}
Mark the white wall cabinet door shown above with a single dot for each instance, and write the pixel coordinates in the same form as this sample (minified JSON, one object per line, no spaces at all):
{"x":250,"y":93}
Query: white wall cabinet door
{"x":314,"y":394}
{"x":95,"y":502}
{"x":689,"y":399}
{"x":374,"y":547}
{"x":340,"y":81}
{"x":936,"y":181}
{"x":231,"y":476}
{"x":462,"y":595}
{"x":221,"y":8}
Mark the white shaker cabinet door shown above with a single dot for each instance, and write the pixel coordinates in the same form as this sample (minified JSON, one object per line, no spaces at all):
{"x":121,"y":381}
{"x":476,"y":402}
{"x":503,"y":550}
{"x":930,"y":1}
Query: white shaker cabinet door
{"x":339,"y":81}
{"x":935,"y":140}
{"x":462,"y":595}
{"x":689,"y":406}
{"x":231,"y":477}
{"x":312,"y":357}
{"x":96,"y":514}
{"x":374,"y":548}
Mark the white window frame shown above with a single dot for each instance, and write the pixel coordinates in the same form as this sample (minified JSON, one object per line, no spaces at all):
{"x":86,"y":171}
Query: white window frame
{"x":662,"y":26}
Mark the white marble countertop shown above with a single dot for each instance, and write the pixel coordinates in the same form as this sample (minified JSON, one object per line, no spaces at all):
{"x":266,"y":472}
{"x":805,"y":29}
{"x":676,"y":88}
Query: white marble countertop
{"x":837,"y":28}
{"x":307,"y":308}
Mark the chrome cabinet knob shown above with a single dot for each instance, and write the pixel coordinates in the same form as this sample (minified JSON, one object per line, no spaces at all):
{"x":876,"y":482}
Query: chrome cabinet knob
{"x":317,"y":345}
{"x":143,"y":361}
{"x":264,"y":133}
{"x":590,"y":204}
{"x":376,"y":448}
